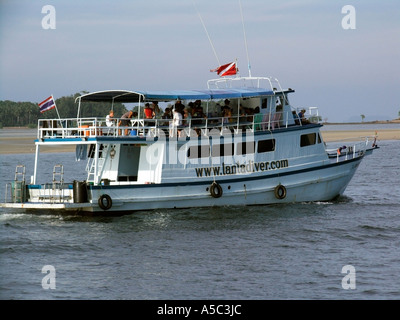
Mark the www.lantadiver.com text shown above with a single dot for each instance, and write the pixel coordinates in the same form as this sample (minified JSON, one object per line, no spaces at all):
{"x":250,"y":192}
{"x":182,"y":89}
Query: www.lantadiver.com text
{"x":243,"y":168}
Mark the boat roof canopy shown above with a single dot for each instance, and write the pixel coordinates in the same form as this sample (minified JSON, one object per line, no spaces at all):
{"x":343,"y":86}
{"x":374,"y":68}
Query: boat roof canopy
{"x":140,"y":96}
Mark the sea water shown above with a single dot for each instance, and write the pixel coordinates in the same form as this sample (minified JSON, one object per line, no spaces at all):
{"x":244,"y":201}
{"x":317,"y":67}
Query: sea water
{"x":343,"y":249}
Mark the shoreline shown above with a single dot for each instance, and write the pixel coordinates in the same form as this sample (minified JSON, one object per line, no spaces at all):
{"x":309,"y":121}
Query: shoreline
{"x":383,"y":134}
{"x":23,"y":144}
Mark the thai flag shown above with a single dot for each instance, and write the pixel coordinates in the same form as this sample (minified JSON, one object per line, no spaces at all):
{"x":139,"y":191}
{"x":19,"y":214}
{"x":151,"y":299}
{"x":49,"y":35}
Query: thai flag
{"x":228,"y":69}
{"x":47,"y":104}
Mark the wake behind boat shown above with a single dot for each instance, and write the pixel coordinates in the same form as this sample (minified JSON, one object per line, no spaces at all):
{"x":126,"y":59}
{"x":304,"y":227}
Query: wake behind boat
{"x":238,"y":142}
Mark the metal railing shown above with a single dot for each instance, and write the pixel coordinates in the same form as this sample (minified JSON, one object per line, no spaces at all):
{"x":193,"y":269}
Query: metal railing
{"x":347,"y":149}
{"x":94,"y":127}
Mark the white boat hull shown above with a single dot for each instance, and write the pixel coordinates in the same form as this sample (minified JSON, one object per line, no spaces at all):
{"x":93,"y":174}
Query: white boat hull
{"x":315,"y":185}
{"x":323,"y":184}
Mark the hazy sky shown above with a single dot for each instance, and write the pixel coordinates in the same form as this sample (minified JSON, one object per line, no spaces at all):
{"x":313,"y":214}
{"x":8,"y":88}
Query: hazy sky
{"x":162,"y":45}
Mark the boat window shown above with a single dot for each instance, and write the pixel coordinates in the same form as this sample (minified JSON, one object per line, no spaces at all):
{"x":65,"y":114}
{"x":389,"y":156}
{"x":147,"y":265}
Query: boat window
{"x":222,"y":150}
{"x":266,"y":145}
{"x":245,"y":148}
{"x":308,"y":139}
{"x":201,"y":151}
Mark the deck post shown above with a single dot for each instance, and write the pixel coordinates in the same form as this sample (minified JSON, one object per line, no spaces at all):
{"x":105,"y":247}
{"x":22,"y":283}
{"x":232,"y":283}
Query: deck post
{"x":96,"y":161}
{"x":36,"y":163}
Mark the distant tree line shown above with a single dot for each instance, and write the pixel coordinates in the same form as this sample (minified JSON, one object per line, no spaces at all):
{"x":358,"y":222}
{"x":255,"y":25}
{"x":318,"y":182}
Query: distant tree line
{"x":22,"y":114}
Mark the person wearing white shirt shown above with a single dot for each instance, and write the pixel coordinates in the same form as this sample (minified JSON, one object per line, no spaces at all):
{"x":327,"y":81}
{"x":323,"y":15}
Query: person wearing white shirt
{"x":110,"y":119}
{"x":175,"y":123}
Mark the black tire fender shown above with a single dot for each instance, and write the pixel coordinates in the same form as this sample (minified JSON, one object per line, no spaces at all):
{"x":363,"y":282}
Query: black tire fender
{"x":280,"y":192}
{"x":216,"y":190}
{"x":105,"y":202}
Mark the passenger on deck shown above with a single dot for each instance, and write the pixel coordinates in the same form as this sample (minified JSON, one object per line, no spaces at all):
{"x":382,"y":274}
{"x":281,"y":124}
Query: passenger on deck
{"x":245,"y":115}
{"x":156,"y":110}
{"x":110,"y":119}
{"x":295,"y":117}
{"x":187,"y":116}
{"x":301,"y":113}
{"x":302,"y":117}
{"x":125,"y":121}
{"x":110,"y":123}
{"x":250,"y":113}
{"x":199,"y":114}
{"x":179,"y":106}
{"x":258,"y":118}
{"x":167,"y":114}
{"x":226,"y":105}
{"x":177,"y":118}
{"x":226,"y":114}
{"x":148,"y":112}
{"x":176,"y":122}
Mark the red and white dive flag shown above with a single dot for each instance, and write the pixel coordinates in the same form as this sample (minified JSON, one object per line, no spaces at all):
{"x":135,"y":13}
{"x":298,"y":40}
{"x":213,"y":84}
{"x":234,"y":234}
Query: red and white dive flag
{"x":47,"y":104}
{"x":228,"y":69}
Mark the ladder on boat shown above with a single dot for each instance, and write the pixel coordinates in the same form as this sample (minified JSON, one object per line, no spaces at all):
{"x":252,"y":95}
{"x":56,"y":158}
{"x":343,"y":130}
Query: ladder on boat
{"x":91,"y":171}
{"x":20,"y":172}
{"x":58,"y":182}
{"x":18,"y":192}
{"x":55,"y":191}
{"x":58,"y":172}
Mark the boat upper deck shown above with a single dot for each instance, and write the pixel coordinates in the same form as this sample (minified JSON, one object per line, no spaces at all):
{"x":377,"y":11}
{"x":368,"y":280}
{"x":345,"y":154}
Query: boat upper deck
{"x":220,"y":109}
{"x":141,"y":127}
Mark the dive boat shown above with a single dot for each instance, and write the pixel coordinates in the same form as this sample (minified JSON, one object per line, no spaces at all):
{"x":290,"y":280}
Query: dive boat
{"x":260,"y":152}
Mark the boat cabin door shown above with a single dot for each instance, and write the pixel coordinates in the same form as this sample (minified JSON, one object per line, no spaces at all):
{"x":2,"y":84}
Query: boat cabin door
{"x":151,"y":162}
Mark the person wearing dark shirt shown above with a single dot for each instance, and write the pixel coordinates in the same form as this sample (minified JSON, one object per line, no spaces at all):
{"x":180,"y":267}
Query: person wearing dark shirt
{"x":125,"y":121}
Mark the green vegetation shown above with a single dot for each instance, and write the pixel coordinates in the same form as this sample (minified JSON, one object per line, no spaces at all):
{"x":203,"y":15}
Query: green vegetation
{"x":21,"y":114}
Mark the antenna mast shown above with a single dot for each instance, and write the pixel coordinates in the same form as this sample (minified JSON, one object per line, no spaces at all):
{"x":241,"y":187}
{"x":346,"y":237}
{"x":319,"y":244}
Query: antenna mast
{"x":205,"y":29}
{"x":245,"y":40}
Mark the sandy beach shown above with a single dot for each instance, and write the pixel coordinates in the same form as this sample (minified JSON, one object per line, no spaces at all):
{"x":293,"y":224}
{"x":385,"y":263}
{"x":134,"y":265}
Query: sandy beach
{"x":383,"y":134}
{"x":24,"y":141}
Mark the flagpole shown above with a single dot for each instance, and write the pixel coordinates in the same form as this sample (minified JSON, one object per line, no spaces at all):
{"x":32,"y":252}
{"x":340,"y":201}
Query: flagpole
{"x":61,"y":124}
{"x":56,"y":107}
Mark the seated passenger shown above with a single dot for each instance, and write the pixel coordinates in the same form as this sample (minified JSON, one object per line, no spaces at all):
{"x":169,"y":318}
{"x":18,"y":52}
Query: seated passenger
{"x":226,"y":104}
{"x":167,"y":114}
{"x":302,"y":118}
{"x":198,"y":114}
{"x":110,"y":119}
{"x":295,"y":118}
{"x":226,"y":114}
